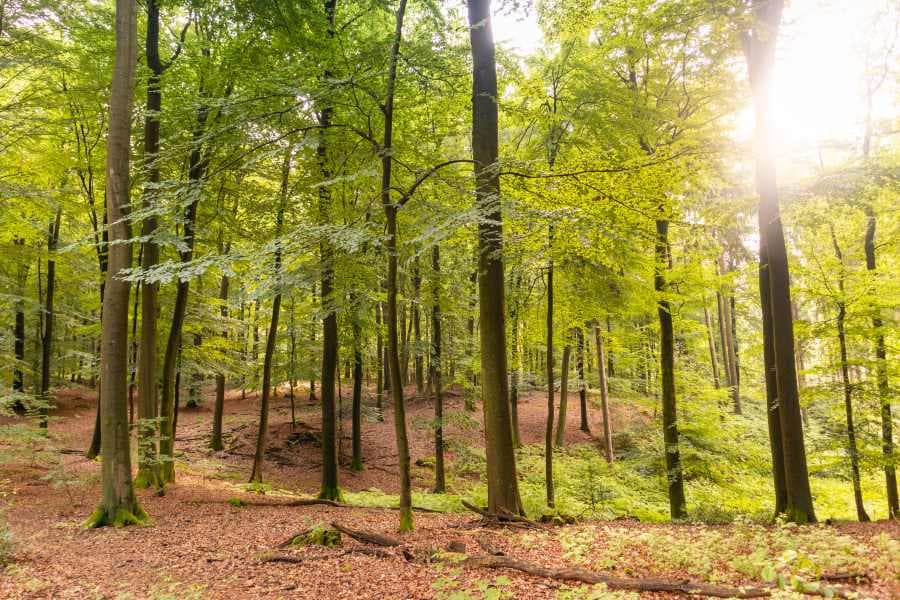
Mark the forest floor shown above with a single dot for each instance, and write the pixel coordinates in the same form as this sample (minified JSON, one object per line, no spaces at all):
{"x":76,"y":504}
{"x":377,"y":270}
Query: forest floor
{"x":203,"y":543}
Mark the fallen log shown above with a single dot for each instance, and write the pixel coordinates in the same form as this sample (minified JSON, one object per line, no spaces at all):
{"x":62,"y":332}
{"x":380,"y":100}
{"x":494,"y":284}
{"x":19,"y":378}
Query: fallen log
{"x":274,"y":557}
{"x":505,"y":518}
{"x":367,"y":537}
{"x":644,"y":584}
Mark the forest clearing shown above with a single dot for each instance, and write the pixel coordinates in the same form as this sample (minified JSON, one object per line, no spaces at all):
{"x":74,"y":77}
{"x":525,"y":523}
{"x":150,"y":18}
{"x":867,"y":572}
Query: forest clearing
{"x":457,"y":300}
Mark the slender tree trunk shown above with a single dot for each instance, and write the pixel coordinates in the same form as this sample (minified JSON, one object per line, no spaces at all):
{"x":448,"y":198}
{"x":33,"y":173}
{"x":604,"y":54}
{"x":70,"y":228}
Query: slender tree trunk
{"x":19,"y":327}
{"x":417,"y":329}
{"x":390,"y":211}
{"x":440,"y":484}
{"x":881,"y":377}
{"x":356,"y":462}
{"x":563,"y":397}
{"x":548,"y":434}
{"x":312,"y":379}
{"x":582,"y":383}
{"x":471,"y":379}
{"x":713,"y":358}
{"x":219,"y":409}
{"x":677,"y":505}
{"x":47,"y":341}
{"x":610,"y":364}
{"x":329,"y":489}
{"x":132,"y":375}
{"x":516,"y":369}
{"x":379,"y":366}
{"x":119,"y":505}
{"x":845,"y":384}
{"x":503,"y":488}
{"x":604,"y":397}
{"x":167,"y":408}
{"x":725,"y":332}
{"x":760,"y":46}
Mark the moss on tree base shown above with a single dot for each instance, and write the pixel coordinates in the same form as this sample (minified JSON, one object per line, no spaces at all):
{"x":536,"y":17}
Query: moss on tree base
{"x":122,"y":518}
{"x":331,"y":493}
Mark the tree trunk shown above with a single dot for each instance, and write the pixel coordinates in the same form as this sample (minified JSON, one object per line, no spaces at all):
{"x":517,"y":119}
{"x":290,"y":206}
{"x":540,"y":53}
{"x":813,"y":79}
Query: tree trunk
{"x":379,"y":364}
{"x":440,"y":484}
{"x":503,"y":488}
{"x":582,"y":383}
{"x":760,"y":60}
{"x":845,"y":384}
{"x":47,"y":341}
{"x":390,"y":211}
{"x":148,"y":465}
{"x":516,"y":369}
{"x":548,"y":437}
{"x":604,"y":397}
{"x":167,"y":407}
{"x":563,"y":397}
{"x":711,"y":340}
{"x":417,"y":329}
{"x":219,"y":409}
{"x":772,"y":408}
{"x":19,"y":328}
{"x":356,"y":462}
{"x":119,"y":505}
{"x":881,"y":376}
{"x":329,"y":489}
{"x":677,"y":505}
{"x":725,"y":332}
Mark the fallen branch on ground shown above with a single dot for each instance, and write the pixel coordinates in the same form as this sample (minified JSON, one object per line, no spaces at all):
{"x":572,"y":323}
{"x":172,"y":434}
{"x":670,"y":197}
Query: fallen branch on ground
{"x":291,"y":558}
{"x":367,"y":537}
{"x":505,"y":518}
{"x":641,"y":585}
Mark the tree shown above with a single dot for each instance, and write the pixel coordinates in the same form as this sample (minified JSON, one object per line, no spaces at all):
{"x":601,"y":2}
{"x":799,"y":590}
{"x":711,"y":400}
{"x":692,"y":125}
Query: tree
{"x":760,"y":50}
{"x":503,"y":489}
{"x":118,"y":506}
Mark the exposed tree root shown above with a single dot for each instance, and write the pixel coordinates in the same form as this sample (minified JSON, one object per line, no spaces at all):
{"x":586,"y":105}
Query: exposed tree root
{"x":291,"y":558}
{"x":504,"y":519}
{"x":367,"y":537}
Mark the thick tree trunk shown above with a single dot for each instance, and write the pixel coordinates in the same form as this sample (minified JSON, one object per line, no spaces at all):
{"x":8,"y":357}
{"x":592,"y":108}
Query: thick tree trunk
{"x":760,"y":53}
{"x":47,"y":341}
{"x":563,"y":397}
{"x":772,"y":409}
{"x":440,"y":484}
{"x":604,"y":397}
{"x":582,"y":382}
{"x":881,"y":377}
{"x":503,"y":488}
{"x":329,"y":489}
{"x":677,"y":505}
{"x":390,"y":211}
{"x":148,"y":465}
{"x":119,"y":505}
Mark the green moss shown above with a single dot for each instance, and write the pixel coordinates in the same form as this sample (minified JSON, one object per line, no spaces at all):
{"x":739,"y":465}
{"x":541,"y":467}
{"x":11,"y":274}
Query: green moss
{"x":331,"y":493}
{"x":236,"y":502}
{"x":318,"y":536}
{"x":406,"y":520}
{"x":122,"y":518}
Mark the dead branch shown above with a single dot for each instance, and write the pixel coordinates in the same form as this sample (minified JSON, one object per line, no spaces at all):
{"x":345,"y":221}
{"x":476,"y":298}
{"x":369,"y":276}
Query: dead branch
{"x":640,"y":585}
{"x":367,"y":537}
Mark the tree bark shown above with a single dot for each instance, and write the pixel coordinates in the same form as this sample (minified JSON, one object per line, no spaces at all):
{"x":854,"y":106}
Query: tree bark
{"x":356,"y":461}
{"x":711,"y":340}
{"x":604,"y":397}
{"x":219,"y":408}
{"x":845,"y":383}
{"x":390,"y":211}
{"x":677,"y":505}
{"x":440,"y":484}
{"x":548,"y":437}
{"x":563,"y":396}
{"x":503,"y":489}
{"x":47,"y":341}
{"x":272,"y":338}
{"x":760,"y":46}
{"x":881,"y":377}
{"x":516,"y":367}
{"x":417,"y":329}
{"x":119,"y":505}
{"x":19,"y":327}
{"x":582,"y":383}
